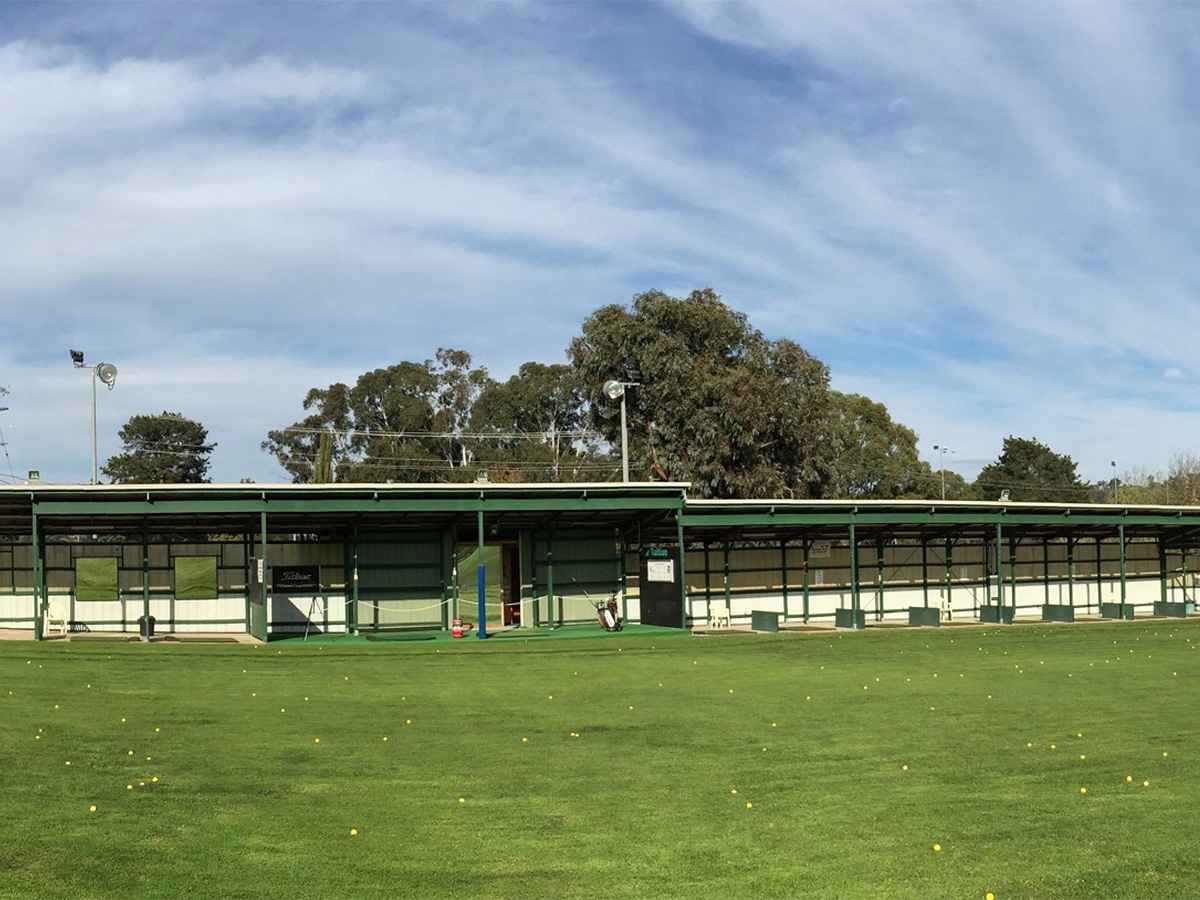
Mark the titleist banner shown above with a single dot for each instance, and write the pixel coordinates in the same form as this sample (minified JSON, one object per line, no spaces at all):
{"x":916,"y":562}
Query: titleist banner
{"x":295,"y":579}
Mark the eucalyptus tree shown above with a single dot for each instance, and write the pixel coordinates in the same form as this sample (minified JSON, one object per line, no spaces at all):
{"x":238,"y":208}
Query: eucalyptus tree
{"x":709,"y":400}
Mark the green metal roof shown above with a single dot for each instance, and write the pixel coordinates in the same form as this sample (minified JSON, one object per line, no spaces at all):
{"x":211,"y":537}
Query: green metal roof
{"x":192,"y":508}
{"x":757,"y":520}
{"x":654,"y":509}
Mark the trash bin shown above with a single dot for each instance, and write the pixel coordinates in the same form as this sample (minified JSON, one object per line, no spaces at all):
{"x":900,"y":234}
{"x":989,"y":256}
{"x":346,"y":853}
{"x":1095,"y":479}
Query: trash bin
{"x":146,"y":626}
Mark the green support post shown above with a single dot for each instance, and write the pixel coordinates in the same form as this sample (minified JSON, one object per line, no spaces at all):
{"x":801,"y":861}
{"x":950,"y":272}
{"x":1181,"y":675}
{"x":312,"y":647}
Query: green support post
{"x":807,"y":547}
{"x":725,"y":574}
{"x":999,"y":568}
{"x":1071,"y":572}
{"x":550,"y":580}
{"x":145,"y":573}
{"x":481,"y":579}
{"x":1162,"y":568}
{"x":707,"y":579}
{"x":950,"y":571}
{"x":1012,"y":574}
{"x":1099,"y":576}
{"x":784,"y":574}
{"x":925,"y":571}
{"x":682,"y":568}
{"x":1046,"y":568}
{"x":262,"y":585}
{"x":624,"y":580}
{"x":40,"y":597}
{"x":854,"y":595}
{"x":352,"y":618}
{"x":879,"y":551}
{"x":1121,"y":541}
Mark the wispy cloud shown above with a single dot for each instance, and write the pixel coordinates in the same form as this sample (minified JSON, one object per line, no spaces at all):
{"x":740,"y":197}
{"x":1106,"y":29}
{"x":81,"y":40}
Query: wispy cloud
{"x":981,"y":215}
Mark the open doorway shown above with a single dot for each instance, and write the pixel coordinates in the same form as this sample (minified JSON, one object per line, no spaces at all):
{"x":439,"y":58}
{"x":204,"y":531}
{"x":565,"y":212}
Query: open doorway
{"x":502,"y":580}
{"x":510,"y":584}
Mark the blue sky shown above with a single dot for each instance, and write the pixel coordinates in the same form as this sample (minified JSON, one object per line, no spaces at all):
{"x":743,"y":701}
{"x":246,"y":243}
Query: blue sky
{"x":983,"y":216}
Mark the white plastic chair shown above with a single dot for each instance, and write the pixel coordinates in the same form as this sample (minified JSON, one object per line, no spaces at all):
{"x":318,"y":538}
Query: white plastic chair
{"x":718,"y":615}
{"x":56,"y":611}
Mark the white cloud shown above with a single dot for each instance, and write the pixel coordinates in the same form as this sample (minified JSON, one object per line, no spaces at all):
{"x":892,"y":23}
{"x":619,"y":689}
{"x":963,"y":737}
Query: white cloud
{"x":982,"y":215}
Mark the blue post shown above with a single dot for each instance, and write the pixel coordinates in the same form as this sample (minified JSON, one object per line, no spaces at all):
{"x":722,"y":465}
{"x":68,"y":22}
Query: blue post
{"x":482,"y":605}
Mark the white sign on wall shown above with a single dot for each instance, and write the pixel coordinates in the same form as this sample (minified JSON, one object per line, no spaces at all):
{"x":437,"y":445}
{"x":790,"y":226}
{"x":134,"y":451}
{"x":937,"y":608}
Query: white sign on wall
{"x":660,"y":570}
{"x":819,"y":576}
{"x":819,"y":549}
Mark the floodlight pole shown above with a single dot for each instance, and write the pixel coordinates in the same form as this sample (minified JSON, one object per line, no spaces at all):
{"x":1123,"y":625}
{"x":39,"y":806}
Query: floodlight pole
{"x":624,"y":443}
{"x":109,"y":378}
{"x":616,"y":390}
{"x":942,"y":451}
{"x":95,"y":470}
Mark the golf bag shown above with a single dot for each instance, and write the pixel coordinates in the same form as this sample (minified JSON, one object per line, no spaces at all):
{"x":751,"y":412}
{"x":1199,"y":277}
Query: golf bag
{"x":607,"y":614}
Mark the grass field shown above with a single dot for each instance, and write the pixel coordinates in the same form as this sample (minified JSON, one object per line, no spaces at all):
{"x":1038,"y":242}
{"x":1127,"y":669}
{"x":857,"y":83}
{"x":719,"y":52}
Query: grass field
{"x":888,"y":764}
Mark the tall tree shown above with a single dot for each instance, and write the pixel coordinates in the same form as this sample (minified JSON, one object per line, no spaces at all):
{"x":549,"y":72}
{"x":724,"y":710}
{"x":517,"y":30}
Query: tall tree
{"x":303,"y":448}
{"x":161,"y":449}
{"x":1183,"y":480}
{"x":714,"y":402}
{"x":457,"y":386}
{"x":531,"y":428}
{"x":404,"y":422}
{"x":875,"y":458}
{"x":1031,"y":472}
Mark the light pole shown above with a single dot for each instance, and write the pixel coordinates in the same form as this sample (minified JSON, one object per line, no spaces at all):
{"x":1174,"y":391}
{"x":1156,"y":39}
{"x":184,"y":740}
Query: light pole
{"x":107,"y":373}
{"x":615,"y":390}
{"x":942,"y":450}
{"x":1116,"y":491}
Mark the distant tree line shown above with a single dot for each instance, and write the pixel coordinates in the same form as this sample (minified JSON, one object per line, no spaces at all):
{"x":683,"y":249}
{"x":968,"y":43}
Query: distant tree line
{"x":708,"y":400}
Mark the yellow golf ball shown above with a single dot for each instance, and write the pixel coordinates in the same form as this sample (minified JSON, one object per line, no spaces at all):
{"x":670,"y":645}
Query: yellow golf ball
{"x":937,"y":848}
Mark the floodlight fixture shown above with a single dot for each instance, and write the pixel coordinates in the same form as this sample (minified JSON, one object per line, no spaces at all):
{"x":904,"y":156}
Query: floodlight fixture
{"x":615,"y":390}
{"x":77,"y":358}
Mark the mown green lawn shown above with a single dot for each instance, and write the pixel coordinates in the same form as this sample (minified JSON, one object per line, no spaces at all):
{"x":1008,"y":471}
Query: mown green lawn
{"x":628,"y":765}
